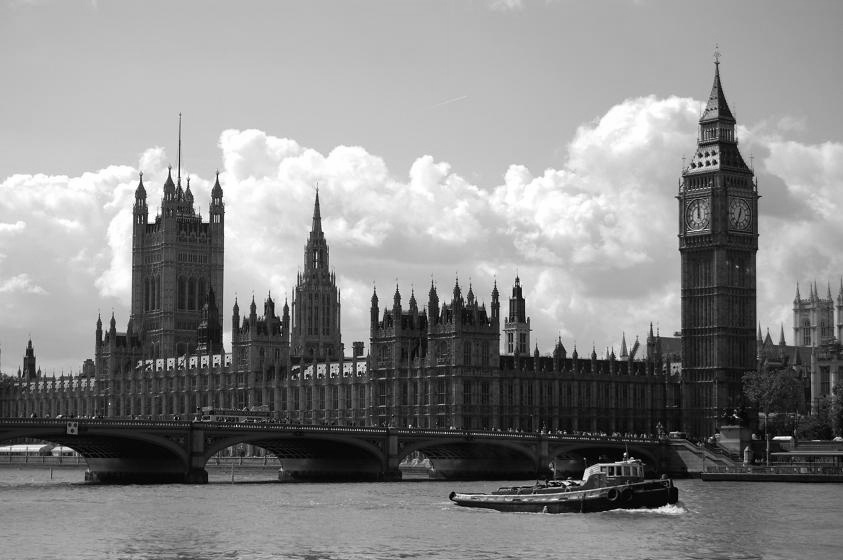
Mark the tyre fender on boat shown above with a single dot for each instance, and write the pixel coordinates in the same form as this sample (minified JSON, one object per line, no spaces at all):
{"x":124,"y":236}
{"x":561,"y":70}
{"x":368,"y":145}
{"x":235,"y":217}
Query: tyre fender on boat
{"x":612,"y":495}
{"x":626,"y":494}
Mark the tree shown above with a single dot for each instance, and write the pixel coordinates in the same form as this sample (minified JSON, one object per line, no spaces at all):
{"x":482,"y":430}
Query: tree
{"x":773,"y":390}
{"x":835,"y":410}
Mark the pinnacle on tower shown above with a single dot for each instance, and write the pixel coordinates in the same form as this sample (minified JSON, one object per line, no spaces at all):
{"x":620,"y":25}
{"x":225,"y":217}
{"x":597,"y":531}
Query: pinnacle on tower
{"x":140,"y":192}
{"x":216,"y":191}
{"x":169,"y":186}
{"x":717,"y":108}
{"x":316,"y":227}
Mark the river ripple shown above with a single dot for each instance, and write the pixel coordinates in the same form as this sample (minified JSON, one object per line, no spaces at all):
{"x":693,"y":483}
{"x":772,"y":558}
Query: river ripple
{"x":63,"y":518}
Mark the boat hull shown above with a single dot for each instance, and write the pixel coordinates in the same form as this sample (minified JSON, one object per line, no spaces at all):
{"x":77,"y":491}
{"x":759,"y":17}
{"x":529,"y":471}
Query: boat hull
{"x":632,"y":496}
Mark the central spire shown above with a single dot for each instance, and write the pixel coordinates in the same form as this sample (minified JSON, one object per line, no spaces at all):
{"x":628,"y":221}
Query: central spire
{"x":317,"y":216}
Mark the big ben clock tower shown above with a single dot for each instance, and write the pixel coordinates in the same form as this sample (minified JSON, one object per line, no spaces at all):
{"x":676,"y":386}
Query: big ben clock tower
{"x":718,"y":240}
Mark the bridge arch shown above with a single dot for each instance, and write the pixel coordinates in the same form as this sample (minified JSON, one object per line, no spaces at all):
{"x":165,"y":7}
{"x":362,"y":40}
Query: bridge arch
{"x":311,"y":456}
{"x":476,"y":458}
{"x":112,"y":453}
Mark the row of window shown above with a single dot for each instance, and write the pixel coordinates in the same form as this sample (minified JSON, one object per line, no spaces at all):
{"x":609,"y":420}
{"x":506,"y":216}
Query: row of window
{"x":192,"y":258}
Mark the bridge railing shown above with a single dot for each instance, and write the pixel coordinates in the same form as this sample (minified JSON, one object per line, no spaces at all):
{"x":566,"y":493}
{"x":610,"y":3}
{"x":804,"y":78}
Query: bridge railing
{"x":318,"y":428}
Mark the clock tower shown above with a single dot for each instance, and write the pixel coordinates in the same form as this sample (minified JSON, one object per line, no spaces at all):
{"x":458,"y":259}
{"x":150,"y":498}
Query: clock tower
{"x":718,"y":240}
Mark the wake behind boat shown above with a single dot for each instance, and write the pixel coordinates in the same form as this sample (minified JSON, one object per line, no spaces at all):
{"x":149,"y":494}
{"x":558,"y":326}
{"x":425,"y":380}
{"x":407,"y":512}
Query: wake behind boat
{"x":604,"y":486}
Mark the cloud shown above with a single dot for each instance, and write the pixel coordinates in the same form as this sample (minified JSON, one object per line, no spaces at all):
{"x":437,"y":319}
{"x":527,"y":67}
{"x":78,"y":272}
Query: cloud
{"x":9,"y":229}
{"x":21,"y":283}
{"x":594,"y":240}
{"x":506,"y":5}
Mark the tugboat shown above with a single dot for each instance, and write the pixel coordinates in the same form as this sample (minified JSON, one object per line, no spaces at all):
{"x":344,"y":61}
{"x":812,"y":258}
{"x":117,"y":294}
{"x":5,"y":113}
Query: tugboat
{"x":604,"y":486}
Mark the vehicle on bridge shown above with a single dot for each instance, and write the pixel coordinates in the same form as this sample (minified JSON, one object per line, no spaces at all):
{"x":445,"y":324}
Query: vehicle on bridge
{"x":604,"y":486}
{"x":212,"y":414}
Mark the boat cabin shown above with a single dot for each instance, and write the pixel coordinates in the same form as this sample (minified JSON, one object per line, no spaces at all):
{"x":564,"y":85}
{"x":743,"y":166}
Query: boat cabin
{"x":620,"y":472}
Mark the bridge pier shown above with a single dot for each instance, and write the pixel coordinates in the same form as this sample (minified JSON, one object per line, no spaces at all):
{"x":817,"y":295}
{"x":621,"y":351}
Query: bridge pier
{"x":196,"y":476}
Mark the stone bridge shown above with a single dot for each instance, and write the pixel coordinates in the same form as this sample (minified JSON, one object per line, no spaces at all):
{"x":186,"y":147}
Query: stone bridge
{"x":118,"y":450}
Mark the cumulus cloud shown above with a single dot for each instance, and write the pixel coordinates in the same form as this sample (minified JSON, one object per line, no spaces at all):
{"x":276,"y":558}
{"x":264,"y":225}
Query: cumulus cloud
{"x":506,"y":5}
{"x":9,"y":229}
{"x":594,"y":240}
{"x":21,"y":283}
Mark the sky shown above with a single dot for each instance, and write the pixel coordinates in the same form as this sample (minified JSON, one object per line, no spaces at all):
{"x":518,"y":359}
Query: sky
{"x":473,"y":140}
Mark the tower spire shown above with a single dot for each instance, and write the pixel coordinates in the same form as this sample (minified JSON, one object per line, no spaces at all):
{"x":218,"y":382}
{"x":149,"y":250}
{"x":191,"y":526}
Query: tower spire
{"x":717,"y":108}
{"x":317,"y":215}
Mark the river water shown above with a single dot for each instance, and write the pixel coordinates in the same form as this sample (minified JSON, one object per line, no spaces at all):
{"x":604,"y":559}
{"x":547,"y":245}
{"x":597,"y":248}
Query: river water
{"x":254,"y":518}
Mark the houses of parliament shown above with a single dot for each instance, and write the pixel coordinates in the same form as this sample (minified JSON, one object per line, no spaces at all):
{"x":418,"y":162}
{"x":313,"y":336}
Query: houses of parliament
{"x":435,"y":363}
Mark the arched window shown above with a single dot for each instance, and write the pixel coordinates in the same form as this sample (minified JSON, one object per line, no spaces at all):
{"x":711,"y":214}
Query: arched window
{"x":157,"y":292}
{"x":806,"y":332}
{"x":191,"y":294}
{"x":182,"y":297}
{"x":146,"y":294}
{"x":467,"y":354}
{"x":202,"y":293}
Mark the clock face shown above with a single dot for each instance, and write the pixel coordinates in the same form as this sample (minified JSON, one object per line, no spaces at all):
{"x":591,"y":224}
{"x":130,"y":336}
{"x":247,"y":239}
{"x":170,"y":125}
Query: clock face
{"x":698,"y":214}
{"x":740,"y":216}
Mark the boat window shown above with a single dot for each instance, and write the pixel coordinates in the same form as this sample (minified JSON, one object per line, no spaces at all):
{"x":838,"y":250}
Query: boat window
{"x":626,"y":471}
{"x":611,"y":471}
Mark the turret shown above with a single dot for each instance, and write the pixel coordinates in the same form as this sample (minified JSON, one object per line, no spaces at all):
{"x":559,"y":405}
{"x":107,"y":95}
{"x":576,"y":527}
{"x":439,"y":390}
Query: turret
{"x":593,"y":360}
{"x":414,"y":307}
{"x":140,"y":209}
{"x":374,"y":312}
{"x":169,"y":186}
{"x":496,"y":305}
{"x":457,"y":294}
{"x":268,"y":307}
{"x":559,"y":355}
{"x":29,"y":371}
{"x":188,"y":195}
{"x":396,"y":310}
{"x":432,"y":306}
{"x":235,"y":321}
{"x":217,"y":208}
{"x":99,"y":332}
